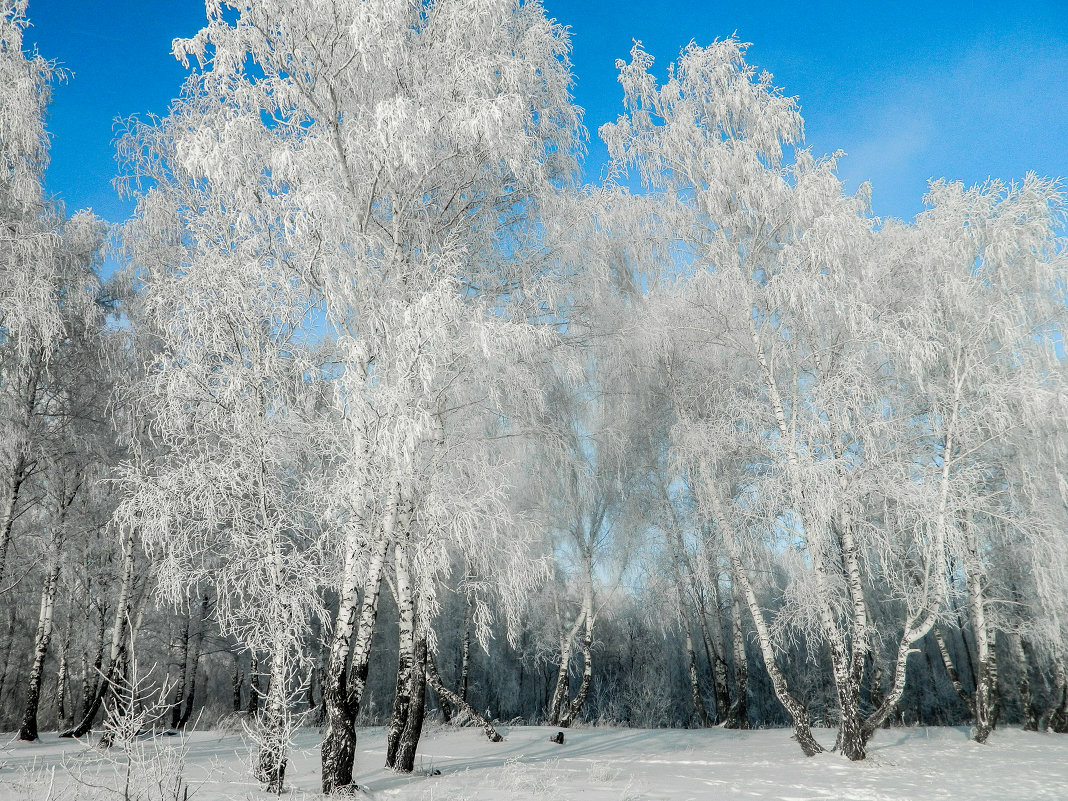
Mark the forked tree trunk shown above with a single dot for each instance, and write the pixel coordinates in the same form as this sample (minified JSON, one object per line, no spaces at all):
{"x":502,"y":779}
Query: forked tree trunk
{"x":854,"y":653}
{"x":28,"y":730}
{"x":339,"y":744}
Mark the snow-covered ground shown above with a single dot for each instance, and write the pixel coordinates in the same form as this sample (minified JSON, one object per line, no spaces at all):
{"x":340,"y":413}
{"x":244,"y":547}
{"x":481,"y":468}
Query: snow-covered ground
{"x":597,"y":764}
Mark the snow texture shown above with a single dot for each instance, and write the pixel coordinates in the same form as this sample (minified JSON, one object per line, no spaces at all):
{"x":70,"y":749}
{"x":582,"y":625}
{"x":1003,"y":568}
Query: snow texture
{"x":606,"y":764}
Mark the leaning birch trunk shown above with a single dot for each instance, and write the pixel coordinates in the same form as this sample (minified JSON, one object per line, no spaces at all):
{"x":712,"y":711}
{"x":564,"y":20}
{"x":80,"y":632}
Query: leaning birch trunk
{"x":8,"y":502}
{"x":118,"y":637}
{"x":402,"y":699}
{"x":796,"y":710}
{"x":951,"y":670}
{"x":456,"y":700}
{"x":561,"y":692}
{"x":574,"y":709}
{"x":28,"y":730}
{"x":738,"y":715}
{"x":850,"y":738}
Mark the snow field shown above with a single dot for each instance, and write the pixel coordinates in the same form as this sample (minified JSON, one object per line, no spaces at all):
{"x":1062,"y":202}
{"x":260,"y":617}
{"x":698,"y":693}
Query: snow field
{"x":594,"y":764}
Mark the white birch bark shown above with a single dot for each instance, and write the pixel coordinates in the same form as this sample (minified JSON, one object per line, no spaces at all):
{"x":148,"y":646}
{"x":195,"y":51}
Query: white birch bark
{"x":28,"y":730}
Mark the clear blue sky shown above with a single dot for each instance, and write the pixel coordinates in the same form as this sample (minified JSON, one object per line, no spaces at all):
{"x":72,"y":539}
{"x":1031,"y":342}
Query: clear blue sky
{"x":909,"y":90}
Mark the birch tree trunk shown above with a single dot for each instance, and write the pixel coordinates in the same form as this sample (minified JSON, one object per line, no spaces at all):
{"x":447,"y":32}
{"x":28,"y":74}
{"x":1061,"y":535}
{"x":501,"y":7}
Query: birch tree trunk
{"x":574,"y":709}
{"x":254,"y":693}
{"x":986,"y":672}
{"x":951,"y":670}
{"x":236,"y":680}
{"x":194,"y":662}
{"x":454,"y":698}
{"x":341,"y":700}
{"x":413,"y":723}
{"x":62,"y":674}
{"x":118,"y":638}
{"x":561,"y":692}
{"x":273,"y":740}
{"x":712,"y":635}
{"x":9,"y":647}
{"x":465,"y":650}
{"x":402,"y":699}
{"x":1032,"y":713}
{"x":183,"y":671}
{"x":91,"y":676}
{"x":695,"y":684}
{"x":1058,"y":719}
{"x":796,"y":710}
{"x":28,"y":730}
{"x":738,"y":716}
{"x":8,"y":501}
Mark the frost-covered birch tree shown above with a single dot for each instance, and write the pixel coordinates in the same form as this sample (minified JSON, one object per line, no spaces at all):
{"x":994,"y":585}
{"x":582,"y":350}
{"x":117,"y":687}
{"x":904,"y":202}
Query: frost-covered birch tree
{"x":399,"y":148}
{"x":217,"y":489}
{"x":985,"y":277}
{"x":780,"y":287}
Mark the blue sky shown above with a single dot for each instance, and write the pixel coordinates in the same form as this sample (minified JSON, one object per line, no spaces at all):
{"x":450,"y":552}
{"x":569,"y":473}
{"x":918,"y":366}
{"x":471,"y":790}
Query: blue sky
{"x":909,"y":90}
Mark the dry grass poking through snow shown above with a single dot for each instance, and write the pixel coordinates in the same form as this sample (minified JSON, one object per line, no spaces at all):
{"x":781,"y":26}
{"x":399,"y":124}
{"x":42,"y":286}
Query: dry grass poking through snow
{"x":605,"y":765}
